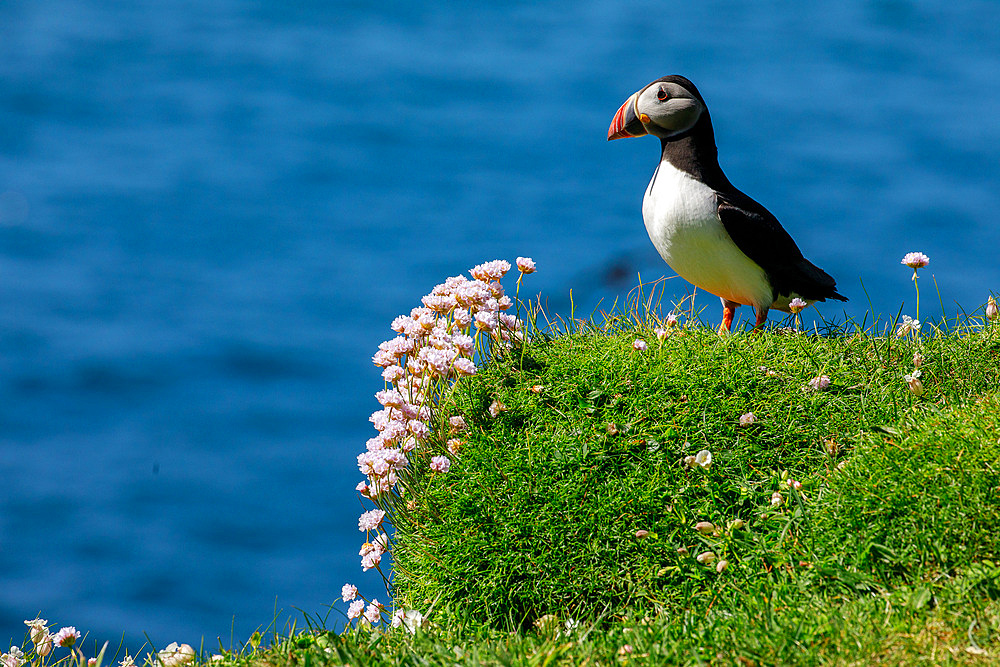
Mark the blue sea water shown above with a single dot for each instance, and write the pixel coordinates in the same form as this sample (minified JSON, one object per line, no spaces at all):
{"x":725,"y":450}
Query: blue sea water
{"x":210,"y":212}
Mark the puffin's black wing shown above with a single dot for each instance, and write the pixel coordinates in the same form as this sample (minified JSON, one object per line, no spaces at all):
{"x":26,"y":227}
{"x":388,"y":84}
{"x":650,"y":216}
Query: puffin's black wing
{"x":759,"y":235}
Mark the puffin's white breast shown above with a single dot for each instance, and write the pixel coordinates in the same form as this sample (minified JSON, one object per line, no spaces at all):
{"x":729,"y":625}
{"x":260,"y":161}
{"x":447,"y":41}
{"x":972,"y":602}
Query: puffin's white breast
{"x":682,"y":219}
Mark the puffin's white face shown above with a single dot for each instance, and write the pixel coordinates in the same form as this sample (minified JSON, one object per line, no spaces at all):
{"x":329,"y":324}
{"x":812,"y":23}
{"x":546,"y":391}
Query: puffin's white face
{"x":666,"y":108}
{"x":663,"y":109}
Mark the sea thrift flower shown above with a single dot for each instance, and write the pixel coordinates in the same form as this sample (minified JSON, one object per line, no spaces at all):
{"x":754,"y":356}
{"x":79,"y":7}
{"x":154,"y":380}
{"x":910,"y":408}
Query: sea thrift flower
{"x":487,"y":271}
{"x":465,"y":367}
{"x":454,"y":444}
{"x":92,"y":662}
{"x":661,"y":333}
{"x":373,"y":613}
{"x":671,"y":320}
{"x":66,"y":636}
{"x":370,"y":520}
{"x":639,"y":345}
{"x":496,"y":407}
{"x":819,"y":383}
{"x":705,"y":527}
{"x":354,"y":610}
{"x":918,"y":359}
{"x":747,"y":419}
{"x":706,"y":558}
{"x":796,"y":305}
{"x":795,"y":484}
{"x":457,"y":424}
{"x":915,"y":260}
{"x":440,"y":464}
{"x":703,"y":459}
{"x":991,"y":309}
{"x":349,"y":592}
{"x":129,"y":661}
{"x":525,"y":265}
{"x":776,"y":499}
{"x":914,"y":384}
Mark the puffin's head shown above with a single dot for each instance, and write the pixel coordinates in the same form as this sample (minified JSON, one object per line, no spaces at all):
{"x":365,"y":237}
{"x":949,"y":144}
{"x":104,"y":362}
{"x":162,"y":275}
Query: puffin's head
{"x":665,"y":108}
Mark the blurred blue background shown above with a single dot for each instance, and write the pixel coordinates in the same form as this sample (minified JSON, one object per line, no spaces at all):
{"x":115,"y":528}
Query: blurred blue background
{"x":210,"y":212}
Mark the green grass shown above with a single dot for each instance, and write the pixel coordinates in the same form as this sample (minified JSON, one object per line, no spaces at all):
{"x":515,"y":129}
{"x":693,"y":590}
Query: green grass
{"x":885,"y":555}
{"x":527,"y":552}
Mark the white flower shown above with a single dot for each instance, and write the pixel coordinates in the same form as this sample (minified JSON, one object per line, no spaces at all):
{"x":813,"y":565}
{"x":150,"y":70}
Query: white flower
{"x":175,"y":655}
{"x":907,"y":325}
{"x":747,"y":419}
{"x":796,"y":305}
{"x":13,"y":659}
{"x":703,"y":459}
{"x":914,"y":384}
{"x":776,"y":499}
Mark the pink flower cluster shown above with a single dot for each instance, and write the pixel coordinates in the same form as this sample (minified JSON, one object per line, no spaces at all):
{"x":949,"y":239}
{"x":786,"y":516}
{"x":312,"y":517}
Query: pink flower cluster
{"x":435,"y":346}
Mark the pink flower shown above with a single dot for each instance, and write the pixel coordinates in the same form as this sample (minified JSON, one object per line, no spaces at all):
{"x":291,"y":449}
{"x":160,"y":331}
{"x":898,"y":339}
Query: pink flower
{"x":915,"y":260}
{"x":671,"y":320}
{"x":796,"y":305}
{"x":819,"y":383}
{"x":465,"y":367}
{"x":370,"y":520}
{"x":661,"y":333}
{"x":397,"y":618}
{"x":747,"y":419}
{"x":390,"y":399}
{"x":795,"y":484}
{"x":486,"y":320}
{"x":66,"y":636}
{"x":355,"y":609}
{"x":639,"y":345}
{"x":373,"y":614}
{"x":349,"y":592}
{"x":525,"y":265}
{"x":362,"y":488}
{"x":440,"y":464}
{"x":392,"y":373}
{"x":454,"y":444}
{"x":494,"y":270}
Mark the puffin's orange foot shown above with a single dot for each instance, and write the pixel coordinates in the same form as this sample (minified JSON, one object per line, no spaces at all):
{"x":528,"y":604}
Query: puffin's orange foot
{"x":728,"y":313}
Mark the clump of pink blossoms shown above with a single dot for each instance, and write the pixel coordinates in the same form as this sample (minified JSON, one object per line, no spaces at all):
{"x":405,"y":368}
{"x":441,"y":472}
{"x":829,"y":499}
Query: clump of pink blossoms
{"x":435,"y":347}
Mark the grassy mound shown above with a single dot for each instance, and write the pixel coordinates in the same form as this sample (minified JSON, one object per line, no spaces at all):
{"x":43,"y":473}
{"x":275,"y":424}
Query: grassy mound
{"x":540,"y":512}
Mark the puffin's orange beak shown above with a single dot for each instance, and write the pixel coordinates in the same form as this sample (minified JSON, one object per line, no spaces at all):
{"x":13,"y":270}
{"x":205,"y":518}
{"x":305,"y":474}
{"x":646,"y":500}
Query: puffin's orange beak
{"x":626,"y":123}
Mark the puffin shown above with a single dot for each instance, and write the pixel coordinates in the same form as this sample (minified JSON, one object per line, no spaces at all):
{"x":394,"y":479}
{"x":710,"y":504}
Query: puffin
{"x":710,"y":233}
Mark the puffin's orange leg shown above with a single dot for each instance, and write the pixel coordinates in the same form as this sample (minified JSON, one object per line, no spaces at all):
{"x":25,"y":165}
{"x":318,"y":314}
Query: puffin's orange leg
{"x":761,"y":318}
{"x":728,"y":313}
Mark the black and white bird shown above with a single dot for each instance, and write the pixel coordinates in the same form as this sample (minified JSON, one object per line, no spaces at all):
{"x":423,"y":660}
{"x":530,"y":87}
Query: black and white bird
{"x":710,"y":233}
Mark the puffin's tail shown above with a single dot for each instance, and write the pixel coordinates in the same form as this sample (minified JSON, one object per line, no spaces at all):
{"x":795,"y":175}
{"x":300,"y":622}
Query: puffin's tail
{"x":813,"y":282}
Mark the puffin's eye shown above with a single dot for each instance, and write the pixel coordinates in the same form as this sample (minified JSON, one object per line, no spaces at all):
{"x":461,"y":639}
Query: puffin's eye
{"x":661,"y":94}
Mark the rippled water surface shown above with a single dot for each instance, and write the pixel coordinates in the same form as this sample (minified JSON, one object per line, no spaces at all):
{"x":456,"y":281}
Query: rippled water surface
{"x":210,"y":212}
